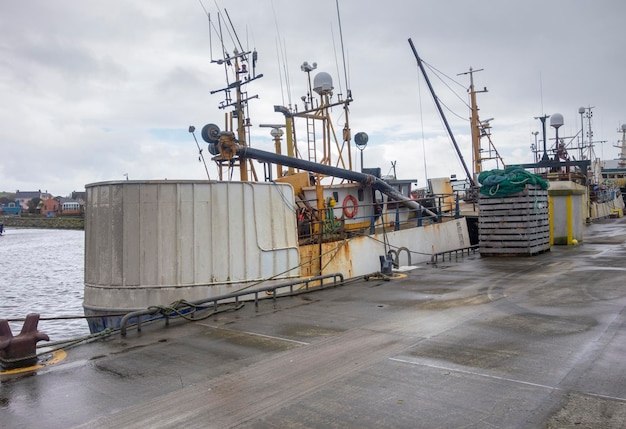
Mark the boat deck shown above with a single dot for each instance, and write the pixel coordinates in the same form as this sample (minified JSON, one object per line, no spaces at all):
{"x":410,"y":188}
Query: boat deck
{"x":521,"y":342}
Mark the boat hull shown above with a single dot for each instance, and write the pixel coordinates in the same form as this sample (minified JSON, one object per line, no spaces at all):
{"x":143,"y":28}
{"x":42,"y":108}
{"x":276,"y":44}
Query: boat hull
{"x":152,"y":243}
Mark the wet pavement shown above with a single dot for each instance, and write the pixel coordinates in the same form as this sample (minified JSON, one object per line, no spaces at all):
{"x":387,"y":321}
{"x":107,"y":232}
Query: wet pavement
{"x":511,"y":342}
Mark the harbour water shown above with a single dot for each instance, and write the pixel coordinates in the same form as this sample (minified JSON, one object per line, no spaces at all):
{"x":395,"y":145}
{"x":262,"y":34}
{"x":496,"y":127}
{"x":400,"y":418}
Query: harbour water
{"x":41,"y":271}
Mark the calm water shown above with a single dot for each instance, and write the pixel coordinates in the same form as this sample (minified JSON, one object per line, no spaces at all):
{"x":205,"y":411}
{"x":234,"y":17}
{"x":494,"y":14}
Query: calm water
{"x":41,"y":271}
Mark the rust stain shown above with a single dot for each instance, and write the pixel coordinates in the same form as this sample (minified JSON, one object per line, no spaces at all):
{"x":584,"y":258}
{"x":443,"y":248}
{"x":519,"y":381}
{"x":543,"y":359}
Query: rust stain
{"x":337,"y":258}
{"x":310,"y":260}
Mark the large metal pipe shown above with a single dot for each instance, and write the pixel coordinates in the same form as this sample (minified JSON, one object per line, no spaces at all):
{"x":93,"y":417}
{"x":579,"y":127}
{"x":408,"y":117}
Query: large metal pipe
{"x":329,"y":170}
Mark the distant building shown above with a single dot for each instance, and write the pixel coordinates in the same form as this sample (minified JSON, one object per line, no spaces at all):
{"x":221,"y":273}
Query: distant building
{"x":69,"y":206}
{"x":57,"y":206}
{"x":51,"y":207}
{"x":23,"y":197}
{"x":11,"y":208}
{"x":81,"y":197}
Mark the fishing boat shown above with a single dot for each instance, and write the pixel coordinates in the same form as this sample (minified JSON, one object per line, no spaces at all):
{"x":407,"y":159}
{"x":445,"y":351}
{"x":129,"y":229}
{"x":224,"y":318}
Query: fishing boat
{"x":580,"y":191}
{"x":157,"y":243}
{"x":609,"y":184}
{"x":614,"y":171}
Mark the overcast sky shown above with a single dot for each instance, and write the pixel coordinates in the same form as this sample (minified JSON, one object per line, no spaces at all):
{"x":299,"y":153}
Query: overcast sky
{"x":95,"y":90}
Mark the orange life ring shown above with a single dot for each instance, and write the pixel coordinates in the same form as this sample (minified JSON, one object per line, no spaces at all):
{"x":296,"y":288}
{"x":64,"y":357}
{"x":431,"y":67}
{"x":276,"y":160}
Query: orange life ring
{"x":350,"y":213}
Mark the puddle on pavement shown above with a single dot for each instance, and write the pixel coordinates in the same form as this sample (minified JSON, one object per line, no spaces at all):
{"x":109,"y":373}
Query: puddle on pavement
{"x":456,"y":302}
{"x":543,"y":324}
{"x":487,"y":356}
{"x":307,"y":331}
{"x":566,"y":291}
{"x":248,"y":340}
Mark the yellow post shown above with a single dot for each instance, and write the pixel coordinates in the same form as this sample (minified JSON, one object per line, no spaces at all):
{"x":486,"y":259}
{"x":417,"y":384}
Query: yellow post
{"x":279,"y":168}
{"x":319,"y":194}
{"x":290,"y":147}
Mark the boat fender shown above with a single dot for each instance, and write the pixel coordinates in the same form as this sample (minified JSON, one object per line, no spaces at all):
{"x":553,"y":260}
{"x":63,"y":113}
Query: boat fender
{"x":350,"y":211}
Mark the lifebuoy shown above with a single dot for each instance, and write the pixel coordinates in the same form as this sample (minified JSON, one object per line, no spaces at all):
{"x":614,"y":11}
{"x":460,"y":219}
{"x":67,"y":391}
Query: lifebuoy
{"x":347,"y":211}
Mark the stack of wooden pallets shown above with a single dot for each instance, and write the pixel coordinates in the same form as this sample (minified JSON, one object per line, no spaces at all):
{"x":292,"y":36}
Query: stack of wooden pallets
{"x":515,"y":225}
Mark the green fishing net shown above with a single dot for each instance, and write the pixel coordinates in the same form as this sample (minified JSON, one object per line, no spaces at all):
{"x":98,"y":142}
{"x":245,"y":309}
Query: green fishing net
{"x":511,"y":180}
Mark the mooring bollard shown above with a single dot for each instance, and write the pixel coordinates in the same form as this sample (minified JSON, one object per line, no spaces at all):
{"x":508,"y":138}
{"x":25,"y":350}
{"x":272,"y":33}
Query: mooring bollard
{"x":21,"y":350}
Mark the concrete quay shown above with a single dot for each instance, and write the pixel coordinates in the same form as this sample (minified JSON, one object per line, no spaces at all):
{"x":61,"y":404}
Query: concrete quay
{"x":476,"y":342}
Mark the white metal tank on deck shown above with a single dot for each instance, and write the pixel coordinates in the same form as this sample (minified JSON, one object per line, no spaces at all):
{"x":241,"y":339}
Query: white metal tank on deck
{"x":155,"y":242}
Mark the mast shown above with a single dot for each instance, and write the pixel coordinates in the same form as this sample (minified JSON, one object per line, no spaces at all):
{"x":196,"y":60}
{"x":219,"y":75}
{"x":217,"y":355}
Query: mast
{"x":475,"y":123}
{"x":241,"y":132}
{"x":318,"y":121}
{"x":236,"y":120}
{"x":236,"y":115}
{"x":443,"y":116}
{"x":621,"y":163}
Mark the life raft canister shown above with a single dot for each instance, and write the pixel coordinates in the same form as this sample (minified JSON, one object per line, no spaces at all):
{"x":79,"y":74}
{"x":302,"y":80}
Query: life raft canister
{"x":350,"y":211}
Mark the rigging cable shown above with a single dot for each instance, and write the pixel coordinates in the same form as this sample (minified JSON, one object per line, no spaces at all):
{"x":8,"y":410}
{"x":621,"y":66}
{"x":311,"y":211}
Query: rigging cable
{"x":438,"y":72}
{"x":419,"y":95}
{"x":286,"y":71}
{"x":208,"y":15}
{"x":280,"y":74}
{"x":336,"y":62}
{"x":345,"y":70}
{"x":225,"y":56}
{"x":443,"y":118}
{"x":451,"y":90}
{"x":227,"y":30}
{"x":282,"y":62}
{"x":234,"y":32}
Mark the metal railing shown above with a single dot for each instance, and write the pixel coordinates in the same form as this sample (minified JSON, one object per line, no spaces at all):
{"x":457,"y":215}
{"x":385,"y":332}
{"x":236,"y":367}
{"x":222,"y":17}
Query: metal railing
{"x":445,"y":206}
{"x":395,"y":256}
{"x":235,"y":298}
{"x":456,"y":252}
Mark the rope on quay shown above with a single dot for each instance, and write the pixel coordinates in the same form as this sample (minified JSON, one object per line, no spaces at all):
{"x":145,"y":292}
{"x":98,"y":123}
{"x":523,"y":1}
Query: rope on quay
{"x":70,"y":342}
{"x":22,"y":319}
{"x":52,"y":347}
{"x":174,"y":309}
{"x":167,"y":311}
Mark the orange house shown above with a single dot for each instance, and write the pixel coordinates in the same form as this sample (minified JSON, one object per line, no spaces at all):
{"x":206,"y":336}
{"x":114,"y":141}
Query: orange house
{"x":50,"y":207}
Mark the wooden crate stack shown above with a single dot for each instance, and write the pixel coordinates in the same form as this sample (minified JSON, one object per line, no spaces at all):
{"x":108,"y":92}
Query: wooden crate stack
{"x":515,"y":225}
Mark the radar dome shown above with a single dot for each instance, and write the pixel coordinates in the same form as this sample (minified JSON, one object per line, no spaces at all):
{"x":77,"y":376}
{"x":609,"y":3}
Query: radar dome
{"x":322,"y":83}
{"x":556,"y":120}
